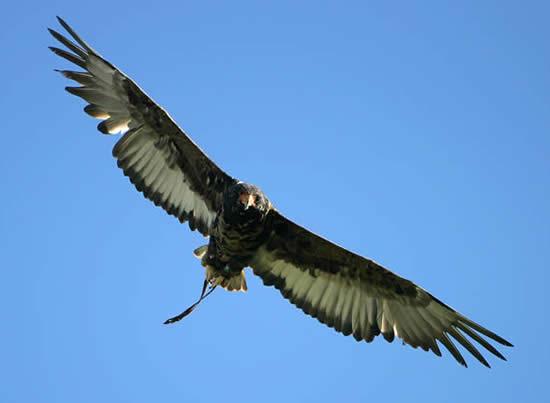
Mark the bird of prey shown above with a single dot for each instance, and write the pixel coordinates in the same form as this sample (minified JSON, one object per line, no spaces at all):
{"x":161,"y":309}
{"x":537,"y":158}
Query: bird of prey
{"x":343,"y":290}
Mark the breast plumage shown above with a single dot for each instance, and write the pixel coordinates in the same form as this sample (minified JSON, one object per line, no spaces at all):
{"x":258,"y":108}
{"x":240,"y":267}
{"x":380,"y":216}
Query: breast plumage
{"x":241,"y":226}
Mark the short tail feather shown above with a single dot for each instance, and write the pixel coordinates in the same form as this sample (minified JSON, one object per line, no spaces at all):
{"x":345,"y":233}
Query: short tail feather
{"x":235,"y":281}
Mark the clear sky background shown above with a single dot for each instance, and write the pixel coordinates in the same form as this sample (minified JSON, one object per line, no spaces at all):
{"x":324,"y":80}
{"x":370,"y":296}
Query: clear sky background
{"x":413,"y":133}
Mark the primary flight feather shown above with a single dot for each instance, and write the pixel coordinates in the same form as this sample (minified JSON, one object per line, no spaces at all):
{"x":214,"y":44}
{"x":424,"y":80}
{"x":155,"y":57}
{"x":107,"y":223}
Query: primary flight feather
{"x":350,"y":293}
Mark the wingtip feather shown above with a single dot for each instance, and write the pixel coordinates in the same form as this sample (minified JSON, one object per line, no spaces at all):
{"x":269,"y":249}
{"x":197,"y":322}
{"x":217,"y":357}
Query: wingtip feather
{"x":77,"y":38}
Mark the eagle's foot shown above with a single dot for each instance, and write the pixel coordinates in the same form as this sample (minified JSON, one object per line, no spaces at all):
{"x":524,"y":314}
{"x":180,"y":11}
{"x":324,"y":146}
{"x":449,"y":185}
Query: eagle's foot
{"x":230,"y":280}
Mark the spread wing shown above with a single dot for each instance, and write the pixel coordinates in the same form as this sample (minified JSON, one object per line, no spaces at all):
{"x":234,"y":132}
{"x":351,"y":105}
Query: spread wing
{"x":155,"y":153}
{"x":357,"y":296}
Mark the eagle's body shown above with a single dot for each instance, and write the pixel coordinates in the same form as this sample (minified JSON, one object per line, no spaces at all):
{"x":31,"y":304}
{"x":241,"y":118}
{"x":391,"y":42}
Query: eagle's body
{"x":343,"y":290}
{"x":239,"y":230}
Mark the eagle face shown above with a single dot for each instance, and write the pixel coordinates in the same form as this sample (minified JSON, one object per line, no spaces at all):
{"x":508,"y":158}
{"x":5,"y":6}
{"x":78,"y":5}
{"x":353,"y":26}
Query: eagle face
{"x":245,"y":205}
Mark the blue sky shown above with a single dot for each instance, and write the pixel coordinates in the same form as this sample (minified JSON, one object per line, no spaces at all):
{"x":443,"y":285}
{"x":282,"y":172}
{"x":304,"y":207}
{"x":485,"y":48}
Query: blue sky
{"x":413,"y":133}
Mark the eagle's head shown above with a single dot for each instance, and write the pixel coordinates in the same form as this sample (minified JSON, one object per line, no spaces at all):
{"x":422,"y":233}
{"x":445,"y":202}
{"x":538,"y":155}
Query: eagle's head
{"x":244,"y":202}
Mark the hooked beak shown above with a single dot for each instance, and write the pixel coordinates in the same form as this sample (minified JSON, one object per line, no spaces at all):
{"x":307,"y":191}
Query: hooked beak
{"x":248,"y":200}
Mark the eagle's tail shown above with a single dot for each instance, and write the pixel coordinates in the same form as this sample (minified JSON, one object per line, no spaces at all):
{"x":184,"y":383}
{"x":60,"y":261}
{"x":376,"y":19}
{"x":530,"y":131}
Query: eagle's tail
{"x":231,"y":281}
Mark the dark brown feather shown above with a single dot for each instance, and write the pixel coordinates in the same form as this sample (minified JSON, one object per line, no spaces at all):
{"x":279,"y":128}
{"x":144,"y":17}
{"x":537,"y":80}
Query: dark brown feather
{"x":365,"y":299}
{"x":172,"y":171}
